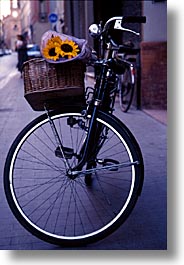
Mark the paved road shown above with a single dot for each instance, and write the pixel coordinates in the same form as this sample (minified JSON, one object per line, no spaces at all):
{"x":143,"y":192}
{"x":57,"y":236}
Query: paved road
{"x":146,"y":228}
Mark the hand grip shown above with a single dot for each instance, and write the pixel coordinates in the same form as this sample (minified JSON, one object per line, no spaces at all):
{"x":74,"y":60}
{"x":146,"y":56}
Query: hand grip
{"x":134,"y":19}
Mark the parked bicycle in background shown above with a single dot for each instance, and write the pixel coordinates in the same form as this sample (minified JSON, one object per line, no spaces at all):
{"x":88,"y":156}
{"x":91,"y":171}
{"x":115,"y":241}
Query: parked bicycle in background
{"x":128,"y":80}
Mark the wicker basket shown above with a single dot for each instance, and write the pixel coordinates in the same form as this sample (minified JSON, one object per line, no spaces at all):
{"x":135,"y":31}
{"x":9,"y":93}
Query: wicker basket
{"x":53,"y":85}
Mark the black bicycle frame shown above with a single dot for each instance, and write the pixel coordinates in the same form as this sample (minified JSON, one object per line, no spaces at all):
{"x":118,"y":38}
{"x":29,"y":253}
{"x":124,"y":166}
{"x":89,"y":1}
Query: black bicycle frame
{"x":97,"y":104}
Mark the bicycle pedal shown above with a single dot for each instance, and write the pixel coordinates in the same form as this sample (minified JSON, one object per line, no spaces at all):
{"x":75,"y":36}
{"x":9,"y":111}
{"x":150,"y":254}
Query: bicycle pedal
{"x":68,"y":152}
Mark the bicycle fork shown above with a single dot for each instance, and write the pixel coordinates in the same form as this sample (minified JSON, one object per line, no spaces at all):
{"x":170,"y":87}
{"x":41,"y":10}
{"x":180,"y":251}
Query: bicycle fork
{"x":58,"y":140}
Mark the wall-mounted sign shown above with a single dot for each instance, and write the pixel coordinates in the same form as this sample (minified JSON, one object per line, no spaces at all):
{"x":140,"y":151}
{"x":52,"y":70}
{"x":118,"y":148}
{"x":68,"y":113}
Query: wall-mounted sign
{"x":53,"y":17}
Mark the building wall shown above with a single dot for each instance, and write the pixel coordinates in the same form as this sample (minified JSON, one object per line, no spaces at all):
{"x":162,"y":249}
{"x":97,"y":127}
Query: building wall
{"x":12,"y":27}
{"x":32,"y":20}
{"x":154,"y":56}
{"x":154,"y":75}
{"x":25,"y":15}
{"x":155,"y":28}
{"x":78,"y":16}
{"x":39,"y":19}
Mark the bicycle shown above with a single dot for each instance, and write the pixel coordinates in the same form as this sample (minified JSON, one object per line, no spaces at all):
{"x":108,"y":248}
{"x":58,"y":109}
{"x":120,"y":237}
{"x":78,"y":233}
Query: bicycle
{"x":73,"y":175}
{"x":127,"y":80}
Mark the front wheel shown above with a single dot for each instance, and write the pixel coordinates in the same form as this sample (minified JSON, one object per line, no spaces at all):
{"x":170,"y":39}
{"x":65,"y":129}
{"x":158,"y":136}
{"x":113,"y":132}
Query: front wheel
{"x":61,"y":209}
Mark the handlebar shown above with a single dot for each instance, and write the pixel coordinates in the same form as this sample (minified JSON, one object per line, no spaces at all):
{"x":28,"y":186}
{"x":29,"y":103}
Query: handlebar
{"x":102,"y":33}
{"x":97,"y":31}
{"x":124,"y":19}
{"x":134,"y":19}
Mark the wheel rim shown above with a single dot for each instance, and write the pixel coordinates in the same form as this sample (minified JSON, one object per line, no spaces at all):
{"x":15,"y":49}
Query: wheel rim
{"x":69,"y":193}
{"x":126,"y":91}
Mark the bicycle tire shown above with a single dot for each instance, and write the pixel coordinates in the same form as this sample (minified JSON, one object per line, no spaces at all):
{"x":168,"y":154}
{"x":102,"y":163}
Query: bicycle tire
{"x":45,"y":201}
{"x":126,"y":91}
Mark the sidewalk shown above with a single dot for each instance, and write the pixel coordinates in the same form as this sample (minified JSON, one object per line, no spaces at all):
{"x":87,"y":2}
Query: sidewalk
{"x":159,"y":115}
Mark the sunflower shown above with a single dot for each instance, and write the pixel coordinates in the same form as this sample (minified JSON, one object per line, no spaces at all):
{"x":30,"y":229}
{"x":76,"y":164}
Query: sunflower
{"x":56,"y":41}
{"x":49,"y":51}
{"x":57,"y":48}
{"x":67,"y":48}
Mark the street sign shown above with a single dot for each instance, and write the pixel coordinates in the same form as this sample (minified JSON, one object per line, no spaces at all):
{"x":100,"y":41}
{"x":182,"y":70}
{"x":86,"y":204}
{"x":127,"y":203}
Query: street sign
{"x":53,"y":17}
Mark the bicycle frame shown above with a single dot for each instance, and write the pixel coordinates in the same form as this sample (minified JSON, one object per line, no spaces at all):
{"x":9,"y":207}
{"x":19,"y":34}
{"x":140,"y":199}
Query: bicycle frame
{"x":102,"y":97}
{"x":97,"y":104}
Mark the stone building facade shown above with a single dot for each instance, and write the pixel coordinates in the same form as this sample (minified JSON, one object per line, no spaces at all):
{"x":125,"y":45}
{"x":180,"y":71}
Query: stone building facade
{"x":154,"y":56}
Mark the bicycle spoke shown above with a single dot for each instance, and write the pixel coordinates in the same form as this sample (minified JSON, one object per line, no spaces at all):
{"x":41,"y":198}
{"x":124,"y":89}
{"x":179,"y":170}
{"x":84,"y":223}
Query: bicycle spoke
{"x":38,"y":160}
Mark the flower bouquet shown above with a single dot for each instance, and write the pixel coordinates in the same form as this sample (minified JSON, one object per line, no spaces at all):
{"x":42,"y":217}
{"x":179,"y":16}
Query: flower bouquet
{"x":60,"y":48}
{"x":51,"y":83}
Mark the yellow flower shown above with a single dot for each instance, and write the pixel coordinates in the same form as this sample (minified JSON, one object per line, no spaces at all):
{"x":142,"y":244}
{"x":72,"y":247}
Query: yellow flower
{"x":56,"y":41}
{"x":49,"y":51}
{"x":56,"y":48}
{"x":68,"y":48}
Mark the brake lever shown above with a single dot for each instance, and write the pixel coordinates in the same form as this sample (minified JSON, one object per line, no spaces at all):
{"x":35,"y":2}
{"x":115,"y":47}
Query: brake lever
{"x":117,"y":25}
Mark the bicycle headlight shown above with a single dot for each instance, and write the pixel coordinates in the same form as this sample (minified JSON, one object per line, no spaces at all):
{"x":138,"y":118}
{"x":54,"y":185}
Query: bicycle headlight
{"x":94,"y":30}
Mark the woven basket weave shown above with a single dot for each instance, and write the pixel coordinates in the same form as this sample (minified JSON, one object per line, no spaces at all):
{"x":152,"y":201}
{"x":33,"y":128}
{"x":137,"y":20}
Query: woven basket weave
{"x":53,"y":85}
